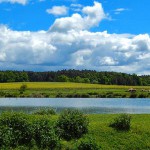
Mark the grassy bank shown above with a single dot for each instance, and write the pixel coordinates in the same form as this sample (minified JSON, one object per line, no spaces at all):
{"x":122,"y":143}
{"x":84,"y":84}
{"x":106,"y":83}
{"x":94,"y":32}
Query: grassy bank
{"x":137,"y":138}
{"x":67,"y":89}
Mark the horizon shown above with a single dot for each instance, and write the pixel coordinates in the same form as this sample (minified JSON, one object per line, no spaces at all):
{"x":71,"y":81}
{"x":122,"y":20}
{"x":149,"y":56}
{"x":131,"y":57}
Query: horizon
{"x":44,"y":35}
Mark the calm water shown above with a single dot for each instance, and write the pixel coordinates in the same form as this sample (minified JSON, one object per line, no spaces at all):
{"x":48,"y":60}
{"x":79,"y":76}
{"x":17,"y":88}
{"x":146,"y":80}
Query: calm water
{"x":87,"y":105}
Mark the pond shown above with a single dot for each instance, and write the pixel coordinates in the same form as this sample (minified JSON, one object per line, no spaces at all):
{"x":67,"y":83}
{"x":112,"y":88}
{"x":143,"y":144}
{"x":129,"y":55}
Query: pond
{"x":87,"y":105}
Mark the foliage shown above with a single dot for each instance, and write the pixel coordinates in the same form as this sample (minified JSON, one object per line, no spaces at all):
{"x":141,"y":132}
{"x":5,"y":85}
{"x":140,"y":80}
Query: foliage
{"x":79,"y":76}
{"x":72,"y":124}
{"x":137,"y":139}
{"x":142,"y":95}
{"x":88,"y":144}
{"x":17,"y":129}
{"x":44,"y":134}
{"x":6,"y":136}
{"x":62,"y":78}
{"x":45,"y":111}
{"x":13,"y":76}
{"x":18,"y":125}
{"x":133,"y":95}
{"x":122,"y":122}
{"x":23,"y":88}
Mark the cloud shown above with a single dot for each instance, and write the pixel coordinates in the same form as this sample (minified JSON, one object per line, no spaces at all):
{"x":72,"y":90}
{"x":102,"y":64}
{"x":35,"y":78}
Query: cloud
{"x":119,"y":10}
{"x":107,"y":61}
{"x":23,"y":2}
{"x":75,"y":47}
{"x":76,"y":7}
{"x":58,"y":10}
{"x":92,"y":16}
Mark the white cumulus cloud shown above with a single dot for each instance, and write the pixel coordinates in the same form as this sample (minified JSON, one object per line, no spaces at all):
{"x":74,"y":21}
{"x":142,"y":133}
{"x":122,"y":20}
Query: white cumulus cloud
{"x":58,"y":10}
{"x":75,"y":46}
{"x":93,"y":15}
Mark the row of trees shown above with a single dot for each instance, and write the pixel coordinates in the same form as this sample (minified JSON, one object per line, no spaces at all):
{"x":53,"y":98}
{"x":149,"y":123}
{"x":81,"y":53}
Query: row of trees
{"x":80,"y":76}
{"x":13,"y":76}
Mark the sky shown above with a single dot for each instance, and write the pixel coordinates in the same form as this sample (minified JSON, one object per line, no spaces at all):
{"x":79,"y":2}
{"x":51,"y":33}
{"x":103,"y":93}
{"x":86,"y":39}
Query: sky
{"x":102,"y":35}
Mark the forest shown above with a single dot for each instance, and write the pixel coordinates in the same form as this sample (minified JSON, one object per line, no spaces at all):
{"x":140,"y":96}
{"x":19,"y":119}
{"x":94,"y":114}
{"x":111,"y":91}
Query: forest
{"x":77,"y":76}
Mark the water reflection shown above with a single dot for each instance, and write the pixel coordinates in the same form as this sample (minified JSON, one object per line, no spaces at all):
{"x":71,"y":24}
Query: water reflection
{"x":90,"y":105}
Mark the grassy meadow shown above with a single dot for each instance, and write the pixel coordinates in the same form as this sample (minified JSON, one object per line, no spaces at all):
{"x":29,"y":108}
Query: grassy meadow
{"x":67,"y":89}
{"x":107,"y":138}
{"x":138,"y":138}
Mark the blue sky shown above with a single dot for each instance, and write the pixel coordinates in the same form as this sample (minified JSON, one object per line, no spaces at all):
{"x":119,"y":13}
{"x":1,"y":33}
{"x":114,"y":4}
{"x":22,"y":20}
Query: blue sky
{"x":134,"y":19}
{"x":54,"y":34}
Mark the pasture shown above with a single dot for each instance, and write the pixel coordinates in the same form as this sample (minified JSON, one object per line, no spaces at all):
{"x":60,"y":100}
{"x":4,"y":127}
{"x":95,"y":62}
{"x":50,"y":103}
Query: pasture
{"x":68,"y":89}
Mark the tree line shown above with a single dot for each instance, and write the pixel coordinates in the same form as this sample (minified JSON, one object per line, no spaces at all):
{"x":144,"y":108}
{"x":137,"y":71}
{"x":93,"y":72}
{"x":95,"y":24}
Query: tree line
{"x":79,"y":76}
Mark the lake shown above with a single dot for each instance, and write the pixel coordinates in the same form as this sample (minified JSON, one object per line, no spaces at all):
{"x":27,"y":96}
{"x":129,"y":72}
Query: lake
{"x":87,"y":105}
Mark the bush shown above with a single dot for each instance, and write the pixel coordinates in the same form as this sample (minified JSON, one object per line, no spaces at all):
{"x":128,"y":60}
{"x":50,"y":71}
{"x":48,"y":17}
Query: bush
{"x":46,"y":111}
{"x":2,"y":93}
{"x":85,"y":95}
{"x":37,"y":95}
{"x":72,"y":124}
{"x":18,"y":126}
{"x":133,"y":95}
{"x":23,"y":88}
{"x":6,"y":137}
{"x":44,"y":134}
{"x":122,"y":122}
{"x":88,"y":144}
{"x":142,"y":96}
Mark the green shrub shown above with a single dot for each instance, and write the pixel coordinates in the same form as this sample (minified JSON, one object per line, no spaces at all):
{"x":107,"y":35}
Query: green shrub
{"x":23,"y":88}
{"x":142,"y":96}
{"x":44,"y":134}
{"x":88,"y":144}
{"x":46,"y":111}
{"x":133,"y":95}
{"x":20,"y":127}
{"x":72,"y":124}
{"x":37,"y":95}
{"x":122,"y":122}
{"x":85,"y":95}
{"x":124,"y":96}
{"x":93,"y":93}
{"x":23,"y":148}
{"x":6,"y":136}
{"x":59,"y":95}
{"x":2,"y":93}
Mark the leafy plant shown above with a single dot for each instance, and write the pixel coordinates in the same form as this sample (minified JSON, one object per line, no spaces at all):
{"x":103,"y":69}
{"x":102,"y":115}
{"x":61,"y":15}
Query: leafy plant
{"x":6,"y":136}
{"x":18,"y":125}
{"x":88,"y":144}
{"x":23,"y":88}
{"x":44,"y":134}
{"x":133,"y":95}
{"x":122,"y":122}
{"x":72,"y":124}
{"x":45,"y":111}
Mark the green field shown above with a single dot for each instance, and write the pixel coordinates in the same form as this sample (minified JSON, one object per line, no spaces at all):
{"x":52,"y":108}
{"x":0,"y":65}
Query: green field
{"x":67,"y":89}
{"x":58,"y":85}
{"x":137,"y":138}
